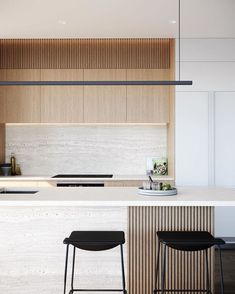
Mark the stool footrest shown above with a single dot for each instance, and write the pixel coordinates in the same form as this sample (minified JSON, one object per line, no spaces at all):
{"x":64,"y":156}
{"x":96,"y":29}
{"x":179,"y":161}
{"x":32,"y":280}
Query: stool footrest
{"x":184,"y":290}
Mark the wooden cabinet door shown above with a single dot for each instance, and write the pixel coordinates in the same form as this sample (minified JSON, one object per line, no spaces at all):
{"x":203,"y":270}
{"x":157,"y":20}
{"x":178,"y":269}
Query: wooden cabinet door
{"x":2,"y":106}
{"x":2,"y":97}
{"x":147,"y":104}
{"x":61,"y":104}
{"x":2,"y":143}
{"x":22,"y":102}
{"x":104,"y":104}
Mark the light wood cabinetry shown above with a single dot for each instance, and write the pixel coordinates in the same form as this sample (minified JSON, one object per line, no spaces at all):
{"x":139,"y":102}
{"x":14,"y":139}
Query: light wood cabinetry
{"x":2,"y":143}
{"x":2,"y":97}
{"x":61,"y":104}
{"x":22,"y":104}
{"x":123,"y":183}
{"x":113,"y":184}
{"x":104,"y":104}
{"x":94,"y":60}
{"x":2,"y":105}
{"x":147,"y":104}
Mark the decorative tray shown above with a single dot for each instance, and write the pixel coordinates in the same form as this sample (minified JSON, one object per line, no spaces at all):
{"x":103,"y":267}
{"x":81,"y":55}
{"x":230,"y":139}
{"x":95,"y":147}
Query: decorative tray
{"x":171,"y":192}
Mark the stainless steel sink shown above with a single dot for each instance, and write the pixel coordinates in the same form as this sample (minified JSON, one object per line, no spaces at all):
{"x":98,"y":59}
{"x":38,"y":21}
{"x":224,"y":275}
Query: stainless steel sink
{"x":7,"y":191}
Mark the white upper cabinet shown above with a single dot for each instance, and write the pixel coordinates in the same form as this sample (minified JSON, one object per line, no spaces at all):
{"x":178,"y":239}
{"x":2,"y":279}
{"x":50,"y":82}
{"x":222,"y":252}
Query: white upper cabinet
{"x":191,"y":138}
{"x":225,"y":138}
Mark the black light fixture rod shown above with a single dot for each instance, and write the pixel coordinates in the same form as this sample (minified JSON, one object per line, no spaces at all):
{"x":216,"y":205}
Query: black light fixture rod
{"x":95,"y":83}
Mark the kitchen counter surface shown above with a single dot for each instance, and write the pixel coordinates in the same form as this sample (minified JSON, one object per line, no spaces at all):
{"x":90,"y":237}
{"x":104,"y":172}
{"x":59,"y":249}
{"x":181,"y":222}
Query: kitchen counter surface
{"x":114,"y":178}
{"x":120,"y":196}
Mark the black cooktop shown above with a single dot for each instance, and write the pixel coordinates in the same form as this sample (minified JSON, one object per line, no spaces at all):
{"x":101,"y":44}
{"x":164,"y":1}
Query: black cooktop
{"x":84,"y":176}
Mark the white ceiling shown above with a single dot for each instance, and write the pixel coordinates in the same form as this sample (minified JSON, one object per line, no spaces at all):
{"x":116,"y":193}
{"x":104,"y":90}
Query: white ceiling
{"x":116,"y":18}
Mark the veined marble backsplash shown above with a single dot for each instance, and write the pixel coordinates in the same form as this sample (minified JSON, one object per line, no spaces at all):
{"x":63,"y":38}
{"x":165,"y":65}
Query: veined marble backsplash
{"x":49,"y":150}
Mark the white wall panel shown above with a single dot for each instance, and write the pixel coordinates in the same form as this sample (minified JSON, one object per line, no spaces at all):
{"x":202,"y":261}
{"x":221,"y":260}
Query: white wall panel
{"x":210,"y":64}
{"x":207,"y":50}
{"x":225,"y":221}
{"x":191,"y":138}
{"x":208,"y":76}
{"x":225,"y":139}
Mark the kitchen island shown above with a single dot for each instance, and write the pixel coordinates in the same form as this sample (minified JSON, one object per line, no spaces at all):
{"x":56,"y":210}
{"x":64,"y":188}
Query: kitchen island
{"x":119,"y":196}
{"x":33,"y":227}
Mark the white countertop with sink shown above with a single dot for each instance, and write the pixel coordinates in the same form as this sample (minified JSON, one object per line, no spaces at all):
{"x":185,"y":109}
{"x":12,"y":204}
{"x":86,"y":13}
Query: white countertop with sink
{"x":120,"y":196}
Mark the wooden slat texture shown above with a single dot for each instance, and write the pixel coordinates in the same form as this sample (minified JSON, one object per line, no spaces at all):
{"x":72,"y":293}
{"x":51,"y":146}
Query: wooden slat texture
{"x":85,"y":53}
{"x":185,"y":270}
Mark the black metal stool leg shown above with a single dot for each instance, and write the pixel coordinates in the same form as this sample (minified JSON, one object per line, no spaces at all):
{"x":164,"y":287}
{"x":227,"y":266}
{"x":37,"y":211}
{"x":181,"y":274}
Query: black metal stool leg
{"x":73,"y":266}
{"x":208,"y":288}
{"x":157,"y":268}
{"x":221,"y":270}
{"x":163,"y":269}
{"x":66,"y":267}
{"x":123,"y":271}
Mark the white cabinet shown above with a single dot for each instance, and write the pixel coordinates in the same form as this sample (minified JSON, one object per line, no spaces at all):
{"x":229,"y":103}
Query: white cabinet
{"x":225,"y":138}
{"x":225,"y":158}
{"x":191,"y":138}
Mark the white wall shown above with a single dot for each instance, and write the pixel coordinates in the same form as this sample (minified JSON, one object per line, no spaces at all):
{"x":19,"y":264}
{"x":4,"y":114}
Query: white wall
{"x":205,"y":120}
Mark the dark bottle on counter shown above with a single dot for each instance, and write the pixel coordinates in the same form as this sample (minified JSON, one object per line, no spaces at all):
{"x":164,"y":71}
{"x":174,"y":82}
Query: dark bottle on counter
{"x":13,"y":164}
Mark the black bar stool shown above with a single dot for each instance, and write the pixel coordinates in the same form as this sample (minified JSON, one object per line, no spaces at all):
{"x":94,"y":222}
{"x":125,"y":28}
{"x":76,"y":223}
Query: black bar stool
{"x":187,"y":241}
{"x":94,"y":241}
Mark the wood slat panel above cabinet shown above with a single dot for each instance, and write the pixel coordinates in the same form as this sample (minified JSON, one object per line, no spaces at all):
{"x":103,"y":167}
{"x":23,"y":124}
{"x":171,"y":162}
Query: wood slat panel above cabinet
{"x":84,"y":53}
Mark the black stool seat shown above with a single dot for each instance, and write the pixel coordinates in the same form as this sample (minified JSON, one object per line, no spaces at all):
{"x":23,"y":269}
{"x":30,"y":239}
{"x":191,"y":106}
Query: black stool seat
{"x":188,"y":240}
{"x":95,"y":240}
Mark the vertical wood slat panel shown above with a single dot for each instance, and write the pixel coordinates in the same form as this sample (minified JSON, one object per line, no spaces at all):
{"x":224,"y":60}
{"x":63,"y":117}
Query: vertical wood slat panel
{"x":85,"y":53}
{"x":185,"y":270}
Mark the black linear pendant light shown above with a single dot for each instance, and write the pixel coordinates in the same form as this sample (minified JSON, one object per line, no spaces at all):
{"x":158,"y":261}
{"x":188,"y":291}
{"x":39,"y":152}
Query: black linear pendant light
{"x":108,"y":83}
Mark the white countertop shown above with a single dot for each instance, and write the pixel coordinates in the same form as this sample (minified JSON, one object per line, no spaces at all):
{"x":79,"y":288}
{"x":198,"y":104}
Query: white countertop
{"x":119,"y":196}
{"x":114,"y":178}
